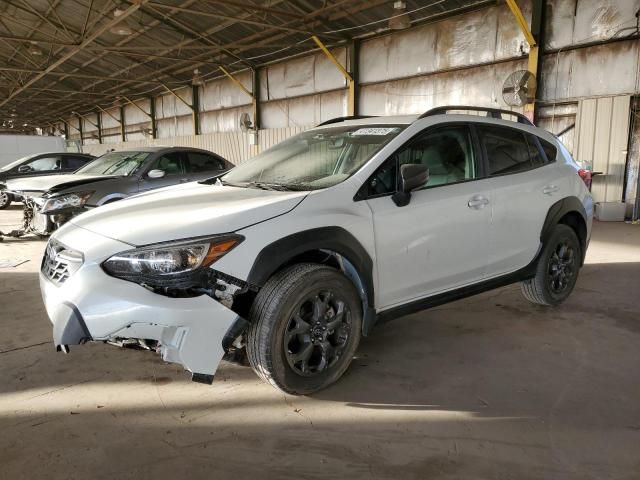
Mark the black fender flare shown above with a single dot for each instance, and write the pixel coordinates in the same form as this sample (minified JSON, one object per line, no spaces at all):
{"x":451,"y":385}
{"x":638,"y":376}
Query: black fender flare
{"x":555,"y":214}
{"x":335,"y":239}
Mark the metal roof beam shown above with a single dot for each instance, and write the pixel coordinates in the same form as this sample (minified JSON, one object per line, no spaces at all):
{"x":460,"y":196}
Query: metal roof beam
{"x":244,"y":6}
{"x":30,"y":10}
{"x":236,"y":19}
{"x":187,"y":42}
{"x":58,"y":43}
{"x":256,"y":36}
{"x":132,"y":9}
{"x":42,"y":73}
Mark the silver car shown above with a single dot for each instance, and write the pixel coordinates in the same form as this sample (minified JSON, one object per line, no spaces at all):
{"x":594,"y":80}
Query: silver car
{"x":50,"y":201}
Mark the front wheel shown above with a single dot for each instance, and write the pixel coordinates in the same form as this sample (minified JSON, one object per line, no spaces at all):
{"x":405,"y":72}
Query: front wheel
{"x":306,"y":324}
{"x":5,"y":200}
{"x":557,"y":269}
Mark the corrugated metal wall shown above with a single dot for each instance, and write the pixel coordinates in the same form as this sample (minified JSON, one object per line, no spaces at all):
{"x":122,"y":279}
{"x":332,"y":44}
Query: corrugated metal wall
{"x":234,"y":146}
{"x":602,"y":130}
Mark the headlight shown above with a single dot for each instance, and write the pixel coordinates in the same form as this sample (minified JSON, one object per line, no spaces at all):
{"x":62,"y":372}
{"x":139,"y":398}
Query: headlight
{"x":164,"y":262}
{"x":72,"y":200}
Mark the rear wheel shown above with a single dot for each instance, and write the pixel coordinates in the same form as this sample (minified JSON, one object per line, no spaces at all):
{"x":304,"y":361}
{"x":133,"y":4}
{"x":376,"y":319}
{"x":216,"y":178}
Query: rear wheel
{"x":557,"y":269}
{"x":5,"y":200}
{"x":306,"y":324}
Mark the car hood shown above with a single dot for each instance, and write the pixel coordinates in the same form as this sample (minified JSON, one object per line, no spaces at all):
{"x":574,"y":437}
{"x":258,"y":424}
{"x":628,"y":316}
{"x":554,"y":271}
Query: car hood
{"x":52,"y":183}
{"x":185,"y":211}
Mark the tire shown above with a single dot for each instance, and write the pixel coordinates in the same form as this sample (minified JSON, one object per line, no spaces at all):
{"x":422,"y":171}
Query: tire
{"x":5,"y":200}
{"x":295,"y":358}
{"x":557,"y":269}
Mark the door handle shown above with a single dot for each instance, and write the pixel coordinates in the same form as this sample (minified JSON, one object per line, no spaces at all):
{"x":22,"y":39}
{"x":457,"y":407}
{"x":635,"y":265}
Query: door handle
{"x":549,"y":189}
{"x":477,"y":202}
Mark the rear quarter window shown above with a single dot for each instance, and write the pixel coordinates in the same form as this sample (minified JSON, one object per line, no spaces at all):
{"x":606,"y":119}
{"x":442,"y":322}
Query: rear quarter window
{"x":550,"y":150}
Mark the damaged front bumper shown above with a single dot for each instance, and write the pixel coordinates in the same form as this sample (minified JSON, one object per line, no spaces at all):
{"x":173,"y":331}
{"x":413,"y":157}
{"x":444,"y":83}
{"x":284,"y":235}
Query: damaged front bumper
{"x":85,"y":304}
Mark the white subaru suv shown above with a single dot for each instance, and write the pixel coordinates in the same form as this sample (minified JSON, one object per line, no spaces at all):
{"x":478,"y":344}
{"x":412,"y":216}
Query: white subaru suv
{"x":294,"y":255}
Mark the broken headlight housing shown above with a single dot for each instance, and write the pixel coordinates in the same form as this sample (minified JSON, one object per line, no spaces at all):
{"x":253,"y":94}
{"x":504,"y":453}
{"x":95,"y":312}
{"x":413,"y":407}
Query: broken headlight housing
{"x":175,"y":264}
{"x":71,"y":200}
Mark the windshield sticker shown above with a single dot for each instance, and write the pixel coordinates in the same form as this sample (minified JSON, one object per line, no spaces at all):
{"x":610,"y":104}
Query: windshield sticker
{"x":375,"y":131}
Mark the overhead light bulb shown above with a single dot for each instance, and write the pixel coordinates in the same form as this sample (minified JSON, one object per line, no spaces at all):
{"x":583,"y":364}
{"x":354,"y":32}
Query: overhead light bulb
{"x":122,"y":30}
{"x":400,"y":19}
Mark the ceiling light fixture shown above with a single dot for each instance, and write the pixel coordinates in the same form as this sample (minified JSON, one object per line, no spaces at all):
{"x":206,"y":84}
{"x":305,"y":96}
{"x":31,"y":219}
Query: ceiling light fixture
{"x":400,"y":19}
{"x":121,"y":29}
{"x":197,"y":78}
{"x":34,"y":50}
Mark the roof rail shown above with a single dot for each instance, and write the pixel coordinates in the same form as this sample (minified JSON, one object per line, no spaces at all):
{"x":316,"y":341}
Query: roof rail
{"x":491,"y":112}
{"x":342,"y":119}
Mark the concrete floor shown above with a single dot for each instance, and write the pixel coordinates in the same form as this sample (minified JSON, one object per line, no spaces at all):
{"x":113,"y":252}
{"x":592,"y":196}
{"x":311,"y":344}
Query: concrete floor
{"x":488,"y":387}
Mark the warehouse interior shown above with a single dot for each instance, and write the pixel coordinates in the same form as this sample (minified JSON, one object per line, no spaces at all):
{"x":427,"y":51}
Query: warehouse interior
{"x":485,"y":387}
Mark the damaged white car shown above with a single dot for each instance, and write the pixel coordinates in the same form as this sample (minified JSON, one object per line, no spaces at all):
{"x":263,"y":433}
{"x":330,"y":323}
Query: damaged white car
{"x":296,"y":254}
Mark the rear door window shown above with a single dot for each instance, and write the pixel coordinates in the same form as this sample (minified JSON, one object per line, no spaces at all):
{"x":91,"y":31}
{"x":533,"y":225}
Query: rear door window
{"x":506,"y":149}
{"x":201,"y":162}
{"x":73,"y":163}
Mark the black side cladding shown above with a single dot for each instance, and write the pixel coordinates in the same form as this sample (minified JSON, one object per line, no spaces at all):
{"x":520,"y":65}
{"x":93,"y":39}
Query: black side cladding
{"x":272,"y":257}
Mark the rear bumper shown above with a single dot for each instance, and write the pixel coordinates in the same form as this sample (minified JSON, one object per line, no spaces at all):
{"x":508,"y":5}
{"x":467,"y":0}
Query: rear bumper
{"x":91,"y":305}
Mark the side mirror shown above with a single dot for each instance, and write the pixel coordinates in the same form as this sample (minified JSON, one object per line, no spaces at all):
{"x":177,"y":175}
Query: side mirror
{"x":412,"y":176}
{"x":24,"y":169}
{"x":156,"y":173}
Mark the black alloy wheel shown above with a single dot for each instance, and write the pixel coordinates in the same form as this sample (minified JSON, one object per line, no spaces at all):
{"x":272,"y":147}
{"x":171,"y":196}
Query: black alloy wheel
{"x":317,"y":333}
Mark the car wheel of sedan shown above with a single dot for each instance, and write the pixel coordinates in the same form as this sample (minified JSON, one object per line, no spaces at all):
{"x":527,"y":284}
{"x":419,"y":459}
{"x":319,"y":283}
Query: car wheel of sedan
{"x":306,"y":324}
{"x":557,"y":270}
{"x":5,"y":200}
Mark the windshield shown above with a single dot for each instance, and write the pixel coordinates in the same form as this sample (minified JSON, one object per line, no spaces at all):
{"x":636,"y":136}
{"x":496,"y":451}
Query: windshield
{"x":115,"y":163}
{"x":313,"y":160}
{"x":16,"y":163}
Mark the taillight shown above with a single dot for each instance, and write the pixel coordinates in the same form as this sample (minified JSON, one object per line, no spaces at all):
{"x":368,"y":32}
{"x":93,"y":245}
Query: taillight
{"x":585,"y":175}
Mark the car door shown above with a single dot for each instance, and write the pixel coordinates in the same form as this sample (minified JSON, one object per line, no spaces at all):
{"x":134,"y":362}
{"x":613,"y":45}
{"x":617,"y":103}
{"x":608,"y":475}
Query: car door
{"x":522,"y":183}
{"x":172,"y":164}
{"x":201,"y":165}
{"x":438,"y":241}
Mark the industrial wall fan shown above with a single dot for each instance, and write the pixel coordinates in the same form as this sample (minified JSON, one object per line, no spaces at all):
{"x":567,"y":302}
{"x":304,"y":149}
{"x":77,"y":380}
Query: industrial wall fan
{"x":519,"y":88}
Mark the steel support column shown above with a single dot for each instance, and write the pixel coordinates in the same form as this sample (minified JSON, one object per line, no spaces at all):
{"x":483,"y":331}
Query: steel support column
{"x":532,"y":35}
{"x":255,"y":86}
{"x":351,"y":95}
{"x":123,"y":128}
{"x":80,"y":129}
{"x":354,"y":88}
{"x":195,"y":108}
{"x":254,"y":94}
{"x":154,"y":123}
{"x":99,"y":126}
